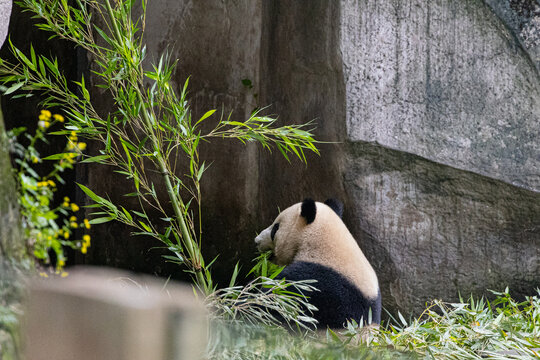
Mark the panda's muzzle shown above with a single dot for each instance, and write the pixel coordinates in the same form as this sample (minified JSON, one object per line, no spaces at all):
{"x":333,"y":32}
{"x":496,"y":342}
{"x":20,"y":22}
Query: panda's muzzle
{"x":264,"y":240}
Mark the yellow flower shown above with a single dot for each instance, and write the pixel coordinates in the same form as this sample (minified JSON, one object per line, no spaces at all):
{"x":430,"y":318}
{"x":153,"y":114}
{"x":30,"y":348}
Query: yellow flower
{"x":46,"y":113}
{"x":49,"y":238}
{"x":66,"y":235}
{"x":35,"y":160}
{"x":61,"y":263}
{"x":73,"y":136}
{"x":71,"y":145}
{"x":66,"y":199}
{"x":50,"y":182}
{"x":73,"y":218}
{"x":43,"y":274}
{"x":64,"y":274}
{"x":58,"y":117}
{"x":74,"y":207}
{"x":42,"y":183}
{"x":74,"y":225}
{"x":86,"y":223}
{"x":83,"y":249}
{"x":86,"y":239}
{"x":81,"y":145}
{"x":65,"y":204}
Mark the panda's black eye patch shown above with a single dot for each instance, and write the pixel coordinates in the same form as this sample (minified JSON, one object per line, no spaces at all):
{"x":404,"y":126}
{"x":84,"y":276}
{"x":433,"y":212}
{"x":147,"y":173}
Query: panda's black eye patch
{"x":274,"y":230}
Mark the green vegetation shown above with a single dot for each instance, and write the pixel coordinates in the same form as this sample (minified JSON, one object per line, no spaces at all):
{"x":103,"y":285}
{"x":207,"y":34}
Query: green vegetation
{"x":502,"y":329}
{"x":47,"y":227}
{"x":150,"y":128}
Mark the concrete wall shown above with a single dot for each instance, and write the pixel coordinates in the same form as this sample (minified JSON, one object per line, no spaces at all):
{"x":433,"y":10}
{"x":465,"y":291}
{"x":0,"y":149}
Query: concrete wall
{"x":430,"y":110}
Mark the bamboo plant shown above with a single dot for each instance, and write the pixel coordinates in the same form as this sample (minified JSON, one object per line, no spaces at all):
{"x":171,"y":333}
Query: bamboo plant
{"x":150,"y":125}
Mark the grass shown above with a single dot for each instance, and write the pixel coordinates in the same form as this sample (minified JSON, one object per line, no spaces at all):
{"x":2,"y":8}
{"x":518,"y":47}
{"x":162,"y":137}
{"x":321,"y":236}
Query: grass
{"x":473,"y":329}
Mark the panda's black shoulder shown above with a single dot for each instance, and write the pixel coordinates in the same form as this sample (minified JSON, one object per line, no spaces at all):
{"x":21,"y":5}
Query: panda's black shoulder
{"x":337,"y":299}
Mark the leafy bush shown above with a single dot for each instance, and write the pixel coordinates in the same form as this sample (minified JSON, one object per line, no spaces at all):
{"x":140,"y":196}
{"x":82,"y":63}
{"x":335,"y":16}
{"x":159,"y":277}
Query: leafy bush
{"x":502,"y":329}
{"x":477,"y":329}
{"x":47,"y":227}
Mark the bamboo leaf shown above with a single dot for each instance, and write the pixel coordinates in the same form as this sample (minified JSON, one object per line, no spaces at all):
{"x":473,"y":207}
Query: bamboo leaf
{"x":14,"y":88}
{"x":205,"y":116}
{"x":98,"y":159}
{"x":58,"y":156}
{"x":100,"y":220}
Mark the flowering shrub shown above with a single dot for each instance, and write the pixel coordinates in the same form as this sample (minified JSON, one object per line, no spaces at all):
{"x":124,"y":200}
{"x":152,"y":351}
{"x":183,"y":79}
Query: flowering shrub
{"x":48,"y":228}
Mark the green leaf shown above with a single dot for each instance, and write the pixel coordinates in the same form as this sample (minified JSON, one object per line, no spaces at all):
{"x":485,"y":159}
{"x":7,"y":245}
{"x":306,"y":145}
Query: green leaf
{"x":128,"y":215}
{"x":206,"y":115}
{"x":14,"y":88}
{"x":234,"y":275}
{"x":91,"y":194}
{"x":21,"y":56}
{"x":145,"y":227}
{"x":97,"y":159}
{"x":140,"y":214}
{"x":98,"y":199}
{"x":100,"y":220}
{"x":57,"y":156}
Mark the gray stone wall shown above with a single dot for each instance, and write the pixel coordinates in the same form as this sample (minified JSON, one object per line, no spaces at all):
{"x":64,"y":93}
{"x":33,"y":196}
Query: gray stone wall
{"x":445,"y":80}
{"x":443,"y":117}
{"x":430,"y":112}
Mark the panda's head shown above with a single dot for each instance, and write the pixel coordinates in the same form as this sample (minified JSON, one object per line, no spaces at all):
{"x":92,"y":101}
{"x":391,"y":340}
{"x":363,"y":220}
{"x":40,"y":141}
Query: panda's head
{"x":298,"y":229}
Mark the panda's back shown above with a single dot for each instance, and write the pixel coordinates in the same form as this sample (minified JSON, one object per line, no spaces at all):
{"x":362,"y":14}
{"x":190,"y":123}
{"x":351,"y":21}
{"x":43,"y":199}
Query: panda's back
{"x":338,"y":299}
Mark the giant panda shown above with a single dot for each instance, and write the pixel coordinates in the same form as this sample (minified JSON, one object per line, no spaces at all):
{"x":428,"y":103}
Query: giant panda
{"x":313,"y":242}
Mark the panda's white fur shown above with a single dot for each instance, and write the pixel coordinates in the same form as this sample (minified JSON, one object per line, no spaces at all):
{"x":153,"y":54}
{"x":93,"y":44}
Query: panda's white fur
{"x":324,"y":241}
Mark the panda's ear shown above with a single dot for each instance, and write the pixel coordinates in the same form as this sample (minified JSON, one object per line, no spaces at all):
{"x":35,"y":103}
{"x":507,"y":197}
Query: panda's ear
{"x":335,"y":205}
{"x":309,"y":210}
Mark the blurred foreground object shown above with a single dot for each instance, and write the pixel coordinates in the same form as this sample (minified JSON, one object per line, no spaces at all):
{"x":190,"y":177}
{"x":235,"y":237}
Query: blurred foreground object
{"x":103,"y":314}
{"x":5,"y":12}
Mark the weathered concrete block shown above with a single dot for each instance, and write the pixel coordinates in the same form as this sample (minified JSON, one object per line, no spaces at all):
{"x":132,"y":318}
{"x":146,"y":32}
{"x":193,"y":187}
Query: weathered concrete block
{"x":98,"y":314}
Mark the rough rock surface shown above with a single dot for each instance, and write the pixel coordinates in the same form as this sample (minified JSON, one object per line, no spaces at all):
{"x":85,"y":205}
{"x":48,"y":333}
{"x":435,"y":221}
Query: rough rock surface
{"x":445,"y":80}
{"x":443,"y":114}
